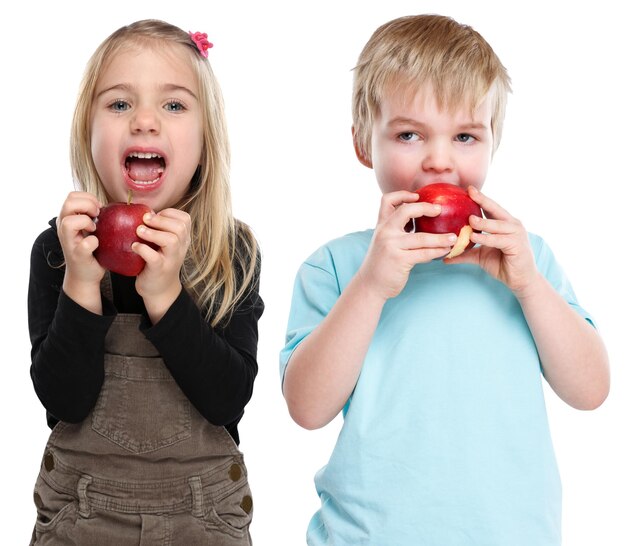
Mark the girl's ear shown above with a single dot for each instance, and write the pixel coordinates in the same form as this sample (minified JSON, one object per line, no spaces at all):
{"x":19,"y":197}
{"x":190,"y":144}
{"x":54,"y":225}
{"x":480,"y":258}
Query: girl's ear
{"x":361,"y":155}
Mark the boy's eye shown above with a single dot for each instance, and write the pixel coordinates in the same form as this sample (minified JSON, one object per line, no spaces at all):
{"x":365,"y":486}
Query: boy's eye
{"x":174,"y":106}
{"x":407,"y":137}
{"x":465,"y":138}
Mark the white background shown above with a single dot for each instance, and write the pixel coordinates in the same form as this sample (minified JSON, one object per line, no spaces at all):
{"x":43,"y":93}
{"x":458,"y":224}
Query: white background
{"x":285,"y":70}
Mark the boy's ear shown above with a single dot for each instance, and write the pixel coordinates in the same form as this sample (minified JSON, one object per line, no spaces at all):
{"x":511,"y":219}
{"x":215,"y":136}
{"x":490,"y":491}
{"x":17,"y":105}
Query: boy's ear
{"x":359,"y":152}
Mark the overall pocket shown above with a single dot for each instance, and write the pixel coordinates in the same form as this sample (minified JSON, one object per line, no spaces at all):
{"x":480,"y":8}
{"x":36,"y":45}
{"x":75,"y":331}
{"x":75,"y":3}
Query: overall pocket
{"x":140,"y":408}
{"x":54,"y":509}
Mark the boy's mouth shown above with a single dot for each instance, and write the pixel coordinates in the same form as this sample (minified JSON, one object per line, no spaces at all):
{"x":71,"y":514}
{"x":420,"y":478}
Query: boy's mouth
{"x":144,"y":169}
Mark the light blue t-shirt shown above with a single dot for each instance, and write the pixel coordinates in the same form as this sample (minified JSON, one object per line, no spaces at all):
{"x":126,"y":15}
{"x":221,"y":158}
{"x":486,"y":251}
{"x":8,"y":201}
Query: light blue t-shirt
{"x":445,"y":440}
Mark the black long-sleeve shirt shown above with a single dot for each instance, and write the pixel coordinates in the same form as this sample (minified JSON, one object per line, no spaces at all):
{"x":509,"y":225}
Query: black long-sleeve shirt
{"x":214,"y":367}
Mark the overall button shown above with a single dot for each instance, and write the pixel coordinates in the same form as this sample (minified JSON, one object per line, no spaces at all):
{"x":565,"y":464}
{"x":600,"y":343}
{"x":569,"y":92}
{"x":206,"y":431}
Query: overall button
{"x":246,"y":504}
{"x":48,"y":462}
{"x":38,"y":501}
{"x":234,"y":473}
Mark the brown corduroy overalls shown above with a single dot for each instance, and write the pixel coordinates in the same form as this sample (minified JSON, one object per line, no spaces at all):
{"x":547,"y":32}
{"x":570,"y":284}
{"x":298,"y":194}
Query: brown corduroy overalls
{"x":144,"y":468}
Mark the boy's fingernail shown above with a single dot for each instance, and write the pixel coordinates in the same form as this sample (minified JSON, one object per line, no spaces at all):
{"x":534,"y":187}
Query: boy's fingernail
{"x":452,"y":238}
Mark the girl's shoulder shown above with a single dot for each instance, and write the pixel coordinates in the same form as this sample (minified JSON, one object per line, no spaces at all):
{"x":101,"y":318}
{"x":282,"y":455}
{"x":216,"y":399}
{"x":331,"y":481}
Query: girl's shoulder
{"x":47,"y":247}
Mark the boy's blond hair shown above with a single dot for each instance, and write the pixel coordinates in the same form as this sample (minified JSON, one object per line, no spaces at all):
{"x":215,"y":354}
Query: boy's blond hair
{"x":411,"y":52}
{"x":222,"y":259}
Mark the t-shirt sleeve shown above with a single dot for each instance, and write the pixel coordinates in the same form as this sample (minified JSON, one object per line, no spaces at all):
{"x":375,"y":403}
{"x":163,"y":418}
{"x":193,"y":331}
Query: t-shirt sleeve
{"x":555,"y":275}
{"x":315,"y":291}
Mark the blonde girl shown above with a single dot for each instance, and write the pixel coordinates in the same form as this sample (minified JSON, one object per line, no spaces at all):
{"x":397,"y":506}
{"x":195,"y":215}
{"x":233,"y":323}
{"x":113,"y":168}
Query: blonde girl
{"x":145,"y":379}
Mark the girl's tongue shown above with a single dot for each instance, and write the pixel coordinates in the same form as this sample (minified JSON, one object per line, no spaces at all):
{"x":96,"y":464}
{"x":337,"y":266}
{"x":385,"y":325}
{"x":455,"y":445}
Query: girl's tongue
{"x":144,"y":169}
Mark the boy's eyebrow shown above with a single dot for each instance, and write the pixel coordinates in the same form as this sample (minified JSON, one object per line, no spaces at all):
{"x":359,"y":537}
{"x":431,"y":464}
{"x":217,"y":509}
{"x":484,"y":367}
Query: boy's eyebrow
{"x":473,"y":125}
{"x":163,"y":87}
{"x":401,"y":120}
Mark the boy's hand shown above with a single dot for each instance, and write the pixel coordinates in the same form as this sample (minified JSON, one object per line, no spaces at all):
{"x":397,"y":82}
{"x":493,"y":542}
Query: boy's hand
{"x":75,"y":227}
{"x":393,"y":252}
{"x":504,"y":250}
{"x":159,"y":282}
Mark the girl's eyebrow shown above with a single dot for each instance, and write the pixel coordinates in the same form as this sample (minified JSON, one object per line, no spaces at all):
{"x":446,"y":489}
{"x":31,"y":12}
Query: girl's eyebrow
{"x":169,"y":87}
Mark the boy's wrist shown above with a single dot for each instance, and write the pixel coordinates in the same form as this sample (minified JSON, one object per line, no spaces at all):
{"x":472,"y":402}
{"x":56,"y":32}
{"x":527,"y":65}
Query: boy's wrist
{"x":534,"y":288}
{"x":365,"y":290}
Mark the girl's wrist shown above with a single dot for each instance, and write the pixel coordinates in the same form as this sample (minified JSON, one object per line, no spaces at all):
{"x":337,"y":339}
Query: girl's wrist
{"x":158,"y":305}
{"x":84,"y":293}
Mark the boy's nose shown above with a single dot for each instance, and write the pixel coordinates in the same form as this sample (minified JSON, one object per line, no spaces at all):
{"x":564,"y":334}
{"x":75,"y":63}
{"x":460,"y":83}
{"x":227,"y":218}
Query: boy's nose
{"x":145,"y":120}
{"x":438,"y":158}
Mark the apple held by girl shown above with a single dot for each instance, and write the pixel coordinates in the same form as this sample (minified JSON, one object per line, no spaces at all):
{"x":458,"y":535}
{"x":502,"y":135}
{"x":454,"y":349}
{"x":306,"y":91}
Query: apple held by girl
{"x":116,"y":230}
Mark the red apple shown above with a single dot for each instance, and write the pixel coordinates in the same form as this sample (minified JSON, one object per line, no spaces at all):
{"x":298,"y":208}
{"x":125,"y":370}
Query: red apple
{"x":116,"y":230}
{"x":456,"y":208}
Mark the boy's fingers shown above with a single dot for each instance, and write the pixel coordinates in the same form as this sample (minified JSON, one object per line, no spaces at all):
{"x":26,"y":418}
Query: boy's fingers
{"x":489,"y":206}
{"x":391,"y":201}
{"x":431,"y":240}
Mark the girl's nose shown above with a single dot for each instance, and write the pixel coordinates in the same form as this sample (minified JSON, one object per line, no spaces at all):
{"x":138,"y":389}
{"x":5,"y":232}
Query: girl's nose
{"x":145,"y":120}
{"x":438,"y":158}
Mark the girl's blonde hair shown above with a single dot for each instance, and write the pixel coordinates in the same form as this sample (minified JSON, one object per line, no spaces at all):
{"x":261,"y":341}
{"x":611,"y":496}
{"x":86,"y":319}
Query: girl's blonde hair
{"x":411,"y":52}
{"x":222,"y":260}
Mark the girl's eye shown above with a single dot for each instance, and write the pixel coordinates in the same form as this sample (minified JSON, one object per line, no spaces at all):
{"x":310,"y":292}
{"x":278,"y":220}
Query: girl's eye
{"x":119,"y":106}
{"x":465,"y":138}
{"x":174,"y":106}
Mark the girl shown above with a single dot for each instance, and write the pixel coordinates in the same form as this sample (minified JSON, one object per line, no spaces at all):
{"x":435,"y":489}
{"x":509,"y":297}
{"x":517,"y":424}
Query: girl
{"x":145,"y":379}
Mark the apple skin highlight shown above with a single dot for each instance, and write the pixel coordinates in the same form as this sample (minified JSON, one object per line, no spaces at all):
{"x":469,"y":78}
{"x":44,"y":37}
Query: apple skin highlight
{"x":456,"y":208}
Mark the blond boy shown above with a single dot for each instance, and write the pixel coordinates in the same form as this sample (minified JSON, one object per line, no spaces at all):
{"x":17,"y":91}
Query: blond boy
{"x":436,"y":364}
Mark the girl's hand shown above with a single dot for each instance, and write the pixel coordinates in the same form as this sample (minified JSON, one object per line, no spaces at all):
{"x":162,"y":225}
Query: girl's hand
{"x":504,"y":250}
{"x":75,"y":227}
{"x":159,"y":282}
{"x":393,"y":252}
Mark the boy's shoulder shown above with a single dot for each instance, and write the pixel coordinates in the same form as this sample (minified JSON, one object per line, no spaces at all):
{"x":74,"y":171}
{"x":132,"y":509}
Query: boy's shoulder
{"x":350,"y":242}
{"x":349,"y":247}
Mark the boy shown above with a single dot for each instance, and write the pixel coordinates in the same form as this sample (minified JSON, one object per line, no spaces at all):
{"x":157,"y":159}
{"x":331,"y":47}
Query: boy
{"x":436,"y":363}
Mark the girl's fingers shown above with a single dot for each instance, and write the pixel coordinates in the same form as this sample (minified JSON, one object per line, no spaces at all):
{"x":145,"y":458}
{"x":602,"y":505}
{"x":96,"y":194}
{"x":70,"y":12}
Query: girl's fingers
{"x":80,"y":203}
{"x":76,"y":223}
{"x":169,"y":229}
{"x":171,"y":221}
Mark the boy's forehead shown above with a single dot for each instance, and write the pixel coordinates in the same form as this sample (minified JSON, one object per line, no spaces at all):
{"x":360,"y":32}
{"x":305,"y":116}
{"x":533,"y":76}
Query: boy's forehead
{"x":405,"y":96}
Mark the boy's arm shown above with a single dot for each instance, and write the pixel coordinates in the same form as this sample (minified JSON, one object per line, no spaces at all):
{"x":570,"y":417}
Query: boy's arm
{"x":324,"y":368}
{"x":573,"y":357}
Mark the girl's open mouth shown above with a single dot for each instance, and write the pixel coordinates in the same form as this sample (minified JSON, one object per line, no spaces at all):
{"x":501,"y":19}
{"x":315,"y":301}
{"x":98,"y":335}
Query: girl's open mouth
{"x":144,"y":170}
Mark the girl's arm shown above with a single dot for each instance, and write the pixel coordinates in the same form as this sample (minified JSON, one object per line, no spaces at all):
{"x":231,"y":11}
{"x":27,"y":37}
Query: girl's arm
{"x":215,"y":368}
{"x":67,"y":340}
